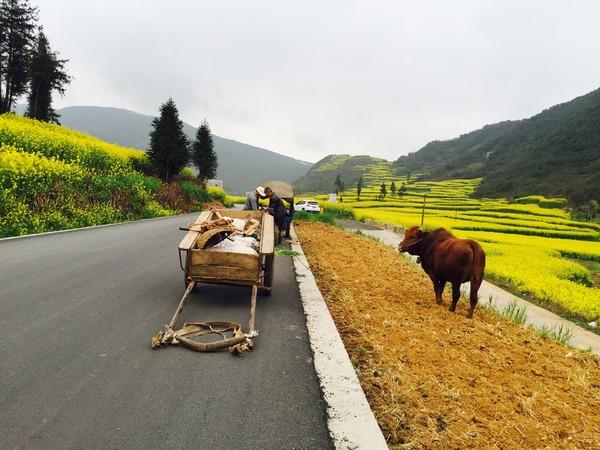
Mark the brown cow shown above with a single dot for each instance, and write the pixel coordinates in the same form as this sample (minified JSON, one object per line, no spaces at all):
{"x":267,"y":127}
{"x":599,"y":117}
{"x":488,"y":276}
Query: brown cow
{"x":447,"y":259}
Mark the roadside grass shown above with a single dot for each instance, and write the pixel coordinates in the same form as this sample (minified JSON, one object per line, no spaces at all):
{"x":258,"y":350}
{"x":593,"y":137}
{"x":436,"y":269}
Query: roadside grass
{"x":560,"y":333}
{"x":517,"y":314}
{"x":285,"y":252}
{"x":514,"y":312}
{"x":314,"y":217}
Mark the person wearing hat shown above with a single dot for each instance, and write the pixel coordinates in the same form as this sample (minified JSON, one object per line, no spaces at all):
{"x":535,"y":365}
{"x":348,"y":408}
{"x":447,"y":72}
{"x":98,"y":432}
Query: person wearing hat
{"x":252,"y":198}
{"x":277,"y":210}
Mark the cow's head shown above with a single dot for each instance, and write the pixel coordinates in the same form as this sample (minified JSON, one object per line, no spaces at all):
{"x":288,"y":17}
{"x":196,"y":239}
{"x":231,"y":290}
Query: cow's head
{"x":412,"y":241}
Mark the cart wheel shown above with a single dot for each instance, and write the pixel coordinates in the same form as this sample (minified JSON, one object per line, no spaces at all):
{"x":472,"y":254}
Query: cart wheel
{"x":268,"y":275}
{"x":264,"y":291}
{"x":186,"y":279}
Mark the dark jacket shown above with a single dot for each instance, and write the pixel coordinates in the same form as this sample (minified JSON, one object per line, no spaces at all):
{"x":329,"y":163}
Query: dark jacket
{"x":277,"y":208}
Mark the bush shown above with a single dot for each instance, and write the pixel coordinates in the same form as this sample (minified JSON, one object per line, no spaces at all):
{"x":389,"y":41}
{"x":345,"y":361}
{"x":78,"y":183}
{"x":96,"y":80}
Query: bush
{"x":219,"y":195}
{"x":542,"y":201}
{"x":312,"y":217}
{"x":192,"y":192}
{"x":187,"y":173}
{"x":44,"y":194}
{"x":171,"y":196}
{"x":338,"y":210}
{"x":53,"y":178}
{"x":54,"y":141}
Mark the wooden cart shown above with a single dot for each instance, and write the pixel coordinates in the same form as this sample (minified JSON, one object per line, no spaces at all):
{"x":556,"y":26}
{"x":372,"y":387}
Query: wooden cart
{"x":205,"y":266}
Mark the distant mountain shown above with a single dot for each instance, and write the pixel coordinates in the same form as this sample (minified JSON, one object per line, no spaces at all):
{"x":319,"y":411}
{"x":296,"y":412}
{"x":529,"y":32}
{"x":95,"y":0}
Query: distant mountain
{"x":554,"y":153}
{"x":241,"y":166}
{"x":321,"y":177}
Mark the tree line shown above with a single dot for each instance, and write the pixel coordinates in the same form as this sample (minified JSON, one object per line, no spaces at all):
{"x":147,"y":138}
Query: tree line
{"x":170,"y":149}
{"x":28,"y":65}
{"x":383,"y":189}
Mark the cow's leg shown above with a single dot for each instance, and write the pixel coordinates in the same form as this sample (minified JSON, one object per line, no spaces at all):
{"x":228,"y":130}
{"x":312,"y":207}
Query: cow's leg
{"x":455,"y":296}
{"x":438,"y":286}
{"x":474,"y":297}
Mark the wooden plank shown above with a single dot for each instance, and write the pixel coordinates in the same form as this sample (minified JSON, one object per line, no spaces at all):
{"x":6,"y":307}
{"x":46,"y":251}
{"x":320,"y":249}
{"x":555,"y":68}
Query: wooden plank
{"x":207,"y":280}
{"x":226,"y":259}
{"x":240,"y":214}
{"x":224,"y":273}
{"x":267,"y":235}
{"x":252,"y":310}
{"x":190,"y":238}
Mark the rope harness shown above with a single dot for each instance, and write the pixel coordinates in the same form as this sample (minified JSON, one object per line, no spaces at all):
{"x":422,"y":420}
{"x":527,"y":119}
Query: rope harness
{"x":412,"y":243}
{"x":233,"y":338}
{"x":236,"y":343}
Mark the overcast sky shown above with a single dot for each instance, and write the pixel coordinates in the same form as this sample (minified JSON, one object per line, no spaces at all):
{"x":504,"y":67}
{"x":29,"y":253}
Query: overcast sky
{"x":309,"y":78}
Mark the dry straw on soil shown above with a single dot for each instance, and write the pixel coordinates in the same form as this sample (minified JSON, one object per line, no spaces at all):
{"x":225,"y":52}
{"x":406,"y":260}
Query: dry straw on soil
{"x":437,"y":380}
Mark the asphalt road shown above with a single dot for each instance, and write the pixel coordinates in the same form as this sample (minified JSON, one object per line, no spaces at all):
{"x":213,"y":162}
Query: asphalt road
{"x":78,"y":311}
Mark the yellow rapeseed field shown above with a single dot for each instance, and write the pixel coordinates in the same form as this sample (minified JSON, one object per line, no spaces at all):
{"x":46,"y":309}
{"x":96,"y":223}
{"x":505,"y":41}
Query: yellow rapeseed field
{"x":527,"y":240}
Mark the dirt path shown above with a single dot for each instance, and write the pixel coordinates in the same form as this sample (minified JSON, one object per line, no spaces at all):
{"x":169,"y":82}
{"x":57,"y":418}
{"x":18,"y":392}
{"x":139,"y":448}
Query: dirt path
{"x":536,"y":316}
{"x":435,"y":379}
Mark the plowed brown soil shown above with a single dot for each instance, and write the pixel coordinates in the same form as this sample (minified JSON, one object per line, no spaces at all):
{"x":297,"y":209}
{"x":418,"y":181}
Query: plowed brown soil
{"x":438,"y":380}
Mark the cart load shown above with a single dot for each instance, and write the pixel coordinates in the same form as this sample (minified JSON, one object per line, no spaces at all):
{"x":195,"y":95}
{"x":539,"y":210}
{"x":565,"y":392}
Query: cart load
{"x":223,"y":246}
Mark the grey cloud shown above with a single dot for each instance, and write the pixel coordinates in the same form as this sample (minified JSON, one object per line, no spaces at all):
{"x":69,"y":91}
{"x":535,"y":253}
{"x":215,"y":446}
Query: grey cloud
{"x":311,"y":77}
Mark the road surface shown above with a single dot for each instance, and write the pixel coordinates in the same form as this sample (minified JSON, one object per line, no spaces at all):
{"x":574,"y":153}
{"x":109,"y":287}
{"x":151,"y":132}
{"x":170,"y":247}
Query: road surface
{"x":77,"y":313}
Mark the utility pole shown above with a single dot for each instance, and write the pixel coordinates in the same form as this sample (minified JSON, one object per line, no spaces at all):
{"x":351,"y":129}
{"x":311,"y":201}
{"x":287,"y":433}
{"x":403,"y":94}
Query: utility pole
{"x":423,"y":210}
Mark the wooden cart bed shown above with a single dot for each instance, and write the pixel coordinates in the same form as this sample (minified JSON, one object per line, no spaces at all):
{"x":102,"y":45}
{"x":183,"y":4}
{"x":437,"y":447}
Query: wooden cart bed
{"x":226,"y":267}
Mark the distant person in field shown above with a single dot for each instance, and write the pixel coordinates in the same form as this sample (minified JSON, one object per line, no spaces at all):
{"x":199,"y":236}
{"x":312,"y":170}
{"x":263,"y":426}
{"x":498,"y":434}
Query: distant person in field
{"x":277,"y":210}
{"x":252,"y":198}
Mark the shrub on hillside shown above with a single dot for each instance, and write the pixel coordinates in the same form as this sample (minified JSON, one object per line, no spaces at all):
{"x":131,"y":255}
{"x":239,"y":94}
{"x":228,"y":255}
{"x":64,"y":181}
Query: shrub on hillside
{"x":45,"y":194}
{"x":53,"y":178}
{"x":338,"y":210}
{"x":53,"y":141}
{"x":219,"y":195}
{"x":312,"y":217}
{"x":542,"y":201}
{"x":187,"y":173}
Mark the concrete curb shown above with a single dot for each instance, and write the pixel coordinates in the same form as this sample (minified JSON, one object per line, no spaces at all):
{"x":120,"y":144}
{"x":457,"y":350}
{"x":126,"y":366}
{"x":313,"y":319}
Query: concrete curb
{"x":70,"y":230}
{"x":351,"y":422}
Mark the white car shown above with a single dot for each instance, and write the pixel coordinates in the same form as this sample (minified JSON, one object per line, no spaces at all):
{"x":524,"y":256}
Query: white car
{"x":308,"y":206}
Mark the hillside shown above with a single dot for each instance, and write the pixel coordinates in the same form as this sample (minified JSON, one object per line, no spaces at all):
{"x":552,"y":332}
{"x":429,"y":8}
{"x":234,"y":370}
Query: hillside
{"x":554,"y":153}
{"x":241,"y":166}
{"x":54,"y":178}
{"x":321,"y":176}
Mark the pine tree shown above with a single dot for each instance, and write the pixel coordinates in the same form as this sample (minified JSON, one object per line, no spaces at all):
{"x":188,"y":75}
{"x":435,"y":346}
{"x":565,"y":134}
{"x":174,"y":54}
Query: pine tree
{"x":383,"y":190}
{"x":359,"y":186}
{"x":169,"y":146}
{"x":393,"y":188}
{"x":47,"y":74}
{"x":339,"y":185}
{"x":401,"y":190}
{"x":203,"y":154}
{"x":17,"y":28}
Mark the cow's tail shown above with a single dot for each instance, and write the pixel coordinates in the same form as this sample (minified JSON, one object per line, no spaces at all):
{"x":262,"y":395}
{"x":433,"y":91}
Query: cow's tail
{"x":477,"y":275}
{"x":478,"y":264}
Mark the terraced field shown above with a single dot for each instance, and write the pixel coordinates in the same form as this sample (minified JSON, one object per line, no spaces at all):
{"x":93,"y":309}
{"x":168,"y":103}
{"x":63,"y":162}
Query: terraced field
{"x":532,"y":244}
